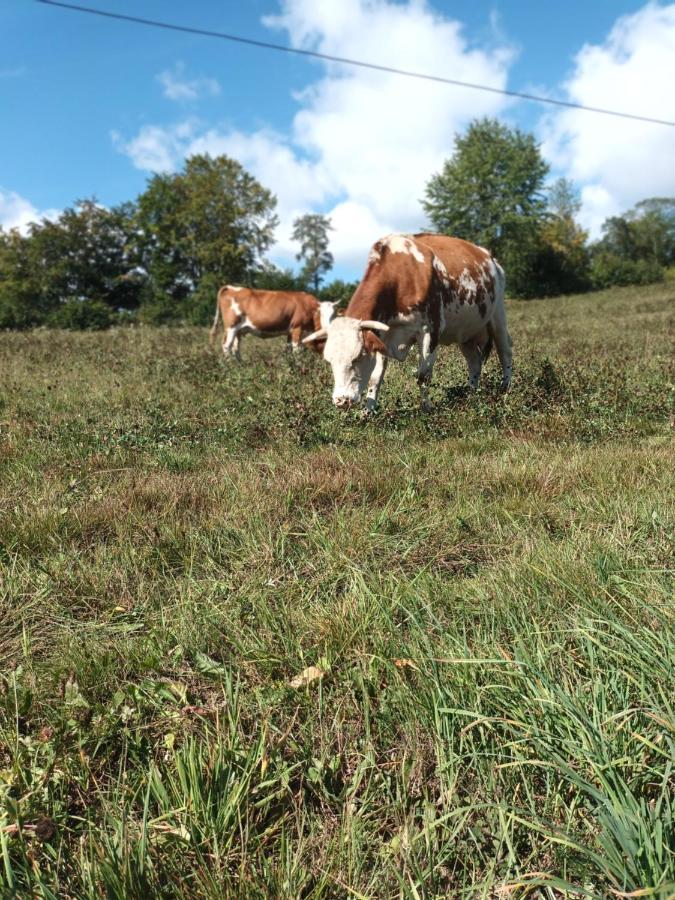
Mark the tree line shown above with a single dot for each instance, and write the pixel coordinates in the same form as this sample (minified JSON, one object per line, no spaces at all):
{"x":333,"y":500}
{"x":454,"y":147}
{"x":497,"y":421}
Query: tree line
{"x":162,"y":257}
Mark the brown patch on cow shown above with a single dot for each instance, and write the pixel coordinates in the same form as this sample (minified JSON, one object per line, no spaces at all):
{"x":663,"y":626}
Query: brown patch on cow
{"x":398,"y":284}
{"x":462,"y":258}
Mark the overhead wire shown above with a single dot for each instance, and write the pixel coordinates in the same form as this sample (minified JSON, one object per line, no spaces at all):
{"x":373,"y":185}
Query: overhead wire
{"x":315,"y":54}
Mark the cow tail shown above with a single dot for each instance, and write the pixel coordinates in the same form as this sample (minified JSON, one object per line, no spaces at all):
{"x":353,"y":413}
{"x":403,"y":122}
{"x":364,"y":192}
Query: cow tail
{"x":214,"y":327}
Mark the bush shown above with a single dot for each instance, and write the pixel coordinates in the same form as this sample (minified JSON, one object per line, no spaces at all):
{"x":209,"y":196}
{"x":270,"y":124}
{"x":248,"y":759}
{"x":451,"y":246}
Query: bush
{"x":78,"y":315}
{"x":609,"y":269}
{"x":199,"y":307}
{"x":17,"y":308}
{"x":161,"y":312}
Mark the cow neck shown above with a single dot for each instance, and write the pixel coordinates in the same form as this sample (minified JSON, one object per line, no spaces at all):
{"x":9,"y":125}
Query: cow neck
{"x":373,"y":300}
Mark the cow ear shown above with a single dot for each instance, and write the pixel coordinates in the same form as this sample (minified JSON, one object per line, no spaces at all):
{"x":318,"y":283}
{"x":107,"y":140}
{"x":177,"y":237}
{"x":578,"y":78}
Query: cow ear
{"x":373,"y":344}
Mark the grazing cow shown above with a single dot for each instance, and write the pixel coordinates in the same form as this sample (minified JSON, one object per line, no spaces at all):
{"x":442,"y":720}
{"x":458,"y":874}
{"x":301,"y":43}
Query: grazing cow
{"x":268,"y":314}
{"x":426,"y":289}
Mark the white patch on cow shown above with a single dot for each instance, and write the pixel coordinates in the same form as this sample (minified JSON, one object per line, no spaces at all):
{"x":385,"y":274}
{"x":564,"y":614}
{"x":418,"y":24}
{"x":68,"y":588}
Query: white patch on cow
{"x":486,"y":273}
{"x":466,"y":281}
{"x":326,"y":313}
{"x":232,"y":287}
{"x":403,"y":243}
{"x":374,"y":256}
{"x":439,"y":265}
{"x":236,"y":309}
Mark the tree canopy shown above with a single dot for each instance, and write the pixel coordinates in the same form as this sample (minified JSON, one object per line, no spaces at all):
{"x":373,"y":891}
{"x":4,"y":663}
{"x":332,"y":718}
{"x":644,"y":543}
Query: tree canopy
{"x":207,"y":225}
{"x":86,"y":254}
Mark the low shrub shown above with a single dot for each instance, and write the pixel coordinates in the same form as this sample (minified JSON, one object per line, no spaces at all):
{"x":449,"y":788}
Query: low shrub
{"x":82,"y":315}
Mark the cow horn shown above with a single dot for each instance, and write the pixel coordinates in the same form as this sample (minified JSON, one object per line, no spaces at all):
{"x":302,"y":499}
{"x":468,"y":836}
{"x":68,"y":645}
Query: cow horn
{"x":315,"y":336}
{"x":376,"y":326}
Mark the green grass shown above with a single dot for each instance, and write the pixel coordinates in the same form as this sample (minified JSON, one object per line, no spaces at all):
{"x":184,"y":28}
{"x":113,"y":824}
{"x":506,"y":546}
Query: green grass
{"x":487,"y":591}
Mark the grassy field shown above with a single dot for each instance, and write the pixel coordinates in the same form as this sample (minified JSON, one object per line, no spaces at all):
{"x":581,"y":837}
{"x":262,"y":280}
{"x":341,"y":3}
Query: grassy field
{"x":253,"y":647}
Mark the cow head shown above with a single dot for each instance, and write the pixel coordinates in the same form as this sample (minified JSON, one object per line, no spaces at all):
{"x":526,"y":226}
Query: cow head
{"x":351,"y":345}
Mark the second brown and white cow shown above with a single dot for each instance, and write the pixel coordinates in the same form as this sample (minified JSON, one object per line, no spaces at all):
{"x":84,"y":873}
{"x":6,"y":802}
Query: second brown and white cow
{"x":427,"y":289}
{"x":268,"y":314}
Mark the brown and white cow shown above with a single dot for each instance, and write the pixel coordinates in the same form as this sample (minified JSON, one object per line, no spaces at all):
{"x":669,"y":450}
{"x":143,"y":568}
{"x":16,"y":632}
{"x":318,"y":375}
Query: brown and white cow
{"x":268,"y":314}
{"x":426,"y":289}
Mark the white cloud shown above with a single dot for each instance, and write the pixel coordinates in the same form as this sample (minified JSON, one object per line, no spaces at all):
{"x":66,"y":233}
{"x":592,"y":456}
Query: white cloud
{"x":356,"y":228}
{"x":156,"y":148}
{"x":363,"y":143}
{"x":178,"y":87}
{"x":17,"y":212}
{"x":379,"y":136}
{"x":618,"y":161}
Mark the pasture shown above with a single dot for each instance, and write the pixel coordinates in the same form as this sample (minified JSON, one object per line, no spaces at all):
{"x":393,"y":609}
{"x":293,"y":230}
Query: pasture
{"x":476,"y":605}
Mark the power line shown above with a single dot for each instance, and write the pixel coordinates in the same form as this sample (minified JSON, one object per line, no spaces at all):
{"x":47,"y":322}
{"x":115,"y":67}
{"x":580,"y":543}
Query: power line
{"x":350,"y":62}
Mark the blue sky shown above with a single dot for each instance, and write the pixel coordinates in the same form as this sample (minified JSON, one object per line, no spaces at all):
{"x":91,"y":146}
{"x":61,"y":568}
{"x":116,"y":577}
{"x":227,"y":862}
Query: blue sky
{"x":92,"y":106}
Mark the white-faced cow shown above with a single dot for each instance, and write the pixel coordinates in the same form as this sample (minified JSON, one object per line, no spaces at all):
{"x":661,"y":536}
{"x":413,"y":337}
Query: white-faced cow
{"x":426,"y":289}
{"x":268,"y":314}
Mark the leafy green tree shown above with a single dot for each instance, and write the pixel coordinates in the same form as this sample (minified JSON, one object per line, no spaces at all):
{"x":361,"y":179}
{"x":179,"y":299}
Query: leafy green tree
{"x":564,"y":201}
{"x":646,"y":232}
{"x":636,"y":247}
{"x":20,"y":305}
{"x":562,"y":258}
{"x":200,"y":228}
{"x":85,"y":255}
{"x":491,"y":191}
{"x":311,"y":231}
{"x":338,"y":290}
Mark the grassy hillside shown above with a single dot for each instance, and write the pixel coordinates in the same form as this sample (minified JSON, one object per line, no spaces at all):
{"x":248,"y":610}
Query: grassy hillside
{"x":477,"y":604}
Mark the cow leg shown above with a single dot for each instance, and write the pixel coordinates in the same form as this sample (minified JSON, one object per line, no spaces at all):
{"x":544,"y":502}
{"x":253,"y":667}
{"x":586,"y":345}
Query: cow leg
{"x":502,"y":339}
{"x":375,"y":382}
{"x":295,"y":337}
{"x":425,"y":368}
{"x":474,"y":360}
{"x":231,"y":343}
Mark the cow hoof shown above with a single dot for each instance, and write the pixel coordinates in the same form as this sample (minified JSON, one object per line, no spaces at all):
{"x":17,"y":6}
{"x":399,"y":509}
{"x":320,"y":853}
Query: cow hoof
{"x":426,"y":406}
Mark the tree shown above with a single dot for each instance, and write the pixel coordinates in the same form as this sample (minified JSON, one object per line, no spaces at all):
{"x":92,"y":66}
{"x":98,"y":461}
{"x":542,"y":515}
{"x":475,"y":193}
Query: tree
{"x":637,"y":246}
{"x":20,"y":305}
{"x":311,"y":231}
{"x":84,"y":256}
{"x":647,"y":231}
{"x":201,"y":227}
{"x":491,"y":191}
{"x":562,"y":259}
